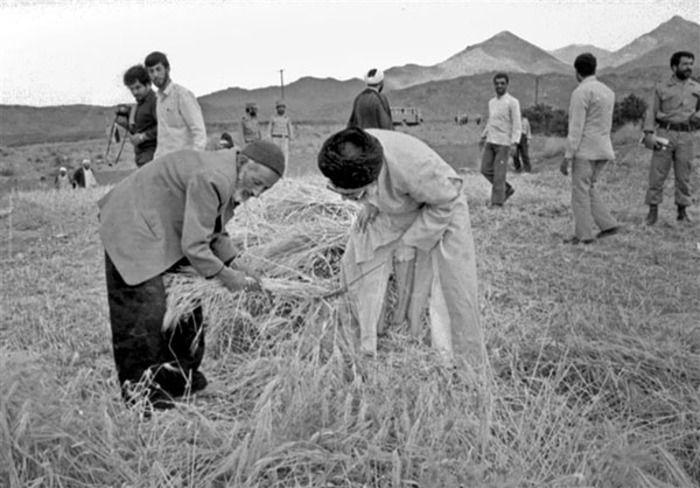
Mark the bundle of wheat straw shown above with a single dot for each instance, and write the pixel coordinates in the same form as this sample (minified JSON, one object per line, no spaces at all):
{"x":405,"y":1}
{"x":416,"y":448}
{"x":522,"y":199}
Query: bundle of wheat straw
{"x":293,"y":239}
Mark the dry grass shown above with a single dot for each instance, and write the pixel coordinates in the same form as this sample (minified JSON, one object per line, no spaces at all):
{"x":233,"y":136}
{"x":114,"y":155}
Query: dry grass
{"x":593,"y":351}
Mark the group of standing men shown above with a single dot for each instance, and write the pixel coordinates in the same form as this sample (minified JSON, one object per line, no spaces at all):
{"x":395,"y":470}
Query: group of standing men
{"x":171,"y":119}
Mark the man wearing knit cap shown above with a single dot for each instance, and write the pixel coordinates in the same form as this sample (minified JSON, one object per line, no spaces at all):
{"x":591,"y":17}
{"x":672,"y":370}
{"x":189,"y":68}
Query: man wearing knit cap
{"x":415,"y":207}
{"x":173,"y":212}
{"x":371,"y":108}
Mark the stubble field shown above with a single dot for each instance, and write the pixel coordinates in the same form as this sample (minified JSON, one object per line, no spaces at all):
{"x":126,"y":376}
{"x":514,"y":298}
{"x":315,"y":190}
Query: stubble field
{"x":594,"y":351}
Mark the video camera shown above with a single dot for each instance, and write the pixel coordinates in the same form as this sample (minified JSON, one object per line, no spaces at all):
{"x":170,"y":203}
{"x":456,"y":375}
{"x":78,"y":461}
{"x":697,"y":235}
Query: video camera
{"x":122,"y":110}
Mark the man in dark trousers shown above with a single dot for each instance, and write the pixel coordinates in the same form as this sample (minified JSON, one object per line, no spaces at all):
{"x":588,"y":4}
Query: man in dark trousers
{"x":141,"y":120}
{"x":673,"y":117}
{"x":371,"y":108}
{"x":173,"y":212}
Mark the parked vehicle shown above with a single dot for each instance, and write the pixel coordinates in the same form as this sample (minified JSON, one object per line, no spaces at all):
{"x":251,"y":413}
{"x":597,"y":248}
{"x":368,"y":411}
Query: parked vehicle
{"x":406,"y":116}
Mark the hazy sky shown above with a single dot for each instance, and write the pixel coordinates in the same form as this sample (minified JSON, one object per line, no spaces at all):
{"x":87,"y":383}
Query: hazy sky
{"x":73,"y":51}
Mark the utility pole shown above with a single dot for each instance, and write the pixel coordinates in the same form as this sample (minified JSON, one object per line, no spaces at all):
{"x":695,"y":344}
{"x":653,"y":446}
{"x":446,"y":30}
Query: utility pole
{"x":537,"y":89}
{"x":282,"y":82}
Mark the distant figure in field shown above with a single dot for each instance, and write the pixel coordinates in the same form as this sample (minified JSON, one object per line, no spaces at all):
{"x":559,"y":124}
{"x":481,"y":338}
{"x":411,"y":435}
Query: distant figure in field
{"x":226,"y":141}
{"x":588,"y":149}
{"x":674,"y":115}
{"x":84,"y":177}
{"x":62,"y":181}
{"x":250,"y":125}
{"x":180,"y":120}
{"x":523,"y":149}
{"x":140,"y":121}
{"x":371,"y":109}
{"x":413,"y":208}
{"x":172,"y":213}
{"x":280,"y":129}
{"x":500,"y":140}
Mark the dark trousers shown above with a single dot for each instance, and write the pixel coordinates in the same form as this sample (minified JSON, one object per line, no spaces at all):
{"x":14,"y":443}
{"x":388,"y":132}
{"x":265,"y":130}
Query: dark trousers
{"x":522,"y":152}
{"x":494,"y":166}
{"x":159,"y":364}
{"x":143,"y":156}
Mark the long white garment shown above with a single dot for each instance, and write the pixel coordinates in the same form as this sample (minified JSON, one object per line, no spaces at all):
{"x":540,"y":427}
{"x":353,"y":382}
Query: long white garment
{"x":421,"y":206}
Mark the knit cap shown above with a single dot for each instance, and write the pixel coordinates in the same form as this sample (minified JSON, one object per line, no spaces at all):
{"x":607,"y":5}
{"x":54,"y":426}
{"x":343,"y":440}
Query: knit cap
{"x":267,"y":154}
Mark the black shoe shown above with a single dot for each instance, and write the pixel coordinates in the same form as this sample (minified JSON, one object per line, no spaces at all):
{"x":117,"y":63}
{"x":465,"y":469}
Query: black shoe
{"x":509,"y":193}
{"x":683,"y":215}
{"x":199,"y":382}
{"x":608,"y":232}
{"x":652,"y":215}
{"x":575,"y":241}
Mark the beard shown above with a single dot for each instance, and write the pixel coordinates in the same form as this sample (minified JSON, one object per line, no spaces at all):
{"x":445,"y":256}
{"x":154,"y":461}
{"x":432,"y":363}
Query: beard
{"x":683,"y":75}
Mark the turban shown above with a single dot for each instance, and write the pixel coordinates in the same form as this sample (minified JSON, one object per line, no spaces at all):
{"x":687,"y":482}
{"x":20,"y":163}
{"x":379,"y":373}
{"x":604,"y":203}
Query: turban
{"x":351,"y":159}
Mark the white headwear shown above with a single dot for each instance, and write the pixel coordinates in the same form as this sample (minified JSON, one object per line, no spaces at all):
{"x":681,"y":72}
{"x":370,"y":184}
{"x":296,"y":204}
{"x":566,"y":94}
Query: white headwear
{"x":374,"y":76}
{"x":86,"y":161}
{"x":62,"y":169}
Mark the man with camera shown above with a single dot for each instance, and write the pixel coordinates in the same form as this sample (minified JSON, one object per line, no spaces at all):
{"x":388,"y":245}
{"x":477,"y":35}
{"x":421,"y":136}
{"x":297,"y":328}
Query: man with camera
{"x":180,"y":120}
{"x":140,"y":120}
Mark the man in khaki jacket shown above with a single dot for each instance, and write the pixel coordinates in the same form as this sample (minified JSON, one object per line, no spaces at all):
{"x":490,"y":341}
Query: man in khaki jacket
{"x":169,"y":213}
{"x":588,"y":150}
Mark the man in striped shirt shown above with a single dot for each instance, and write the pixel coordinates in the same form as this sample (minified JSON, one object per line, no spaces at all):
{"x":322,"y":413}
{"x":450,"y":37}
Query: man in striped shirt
{"x":500,"y":140}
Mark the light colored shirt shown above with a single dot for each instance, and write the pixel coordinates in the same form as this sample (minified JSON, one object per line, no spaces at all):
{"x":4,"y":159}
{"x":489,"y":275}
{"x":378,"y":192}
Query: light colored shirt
{"x":673,"y":101}
{"x":590,"y":121}
{"x":250,"y":127}
{"x":280,"y":126}
{"x":504,"y":124}
{"x":90,"y":181}
{"x":180,"y":121}
{"x":526,"y":128}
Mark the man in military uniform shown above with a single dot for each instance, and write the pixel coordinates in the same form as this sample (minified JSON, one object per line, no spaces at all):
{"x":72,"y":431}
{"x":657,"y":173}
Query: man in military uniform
{"x":672,"y":117}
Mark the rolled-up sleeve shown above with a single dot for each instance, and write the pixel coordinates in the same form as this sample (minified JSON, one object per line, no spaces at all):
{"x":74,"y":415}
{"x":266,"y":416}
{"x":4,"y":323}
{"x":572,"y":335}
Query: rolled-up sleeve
{"x":205,"y":196}
{"x":437,"y":192}
{"x":516,"y":120}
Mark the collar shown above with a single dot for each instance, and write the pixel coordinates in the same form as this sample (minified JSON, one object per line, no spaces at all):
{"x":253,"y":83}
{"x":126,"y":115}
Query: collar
{"x":167,"y":90}
{"x":587,"y":79}
{"x":673,"y":80}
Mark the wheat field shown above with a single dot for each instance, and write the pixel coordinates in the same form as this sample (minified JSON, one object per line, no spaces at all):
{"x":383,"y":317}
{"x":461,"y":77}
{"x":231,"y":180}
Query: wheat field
{"x":594,"y":353}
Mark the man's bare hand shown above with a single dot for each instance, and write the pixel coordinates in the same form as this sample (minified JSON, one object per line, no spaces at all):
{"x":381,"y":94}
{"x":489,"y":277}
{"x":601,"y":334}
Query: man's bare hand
{"x":649,"y":140}
{"x":367,"y":215}
{"x":136,"y":139}
{"x":513,"y":150}
{"x":564,"y":167}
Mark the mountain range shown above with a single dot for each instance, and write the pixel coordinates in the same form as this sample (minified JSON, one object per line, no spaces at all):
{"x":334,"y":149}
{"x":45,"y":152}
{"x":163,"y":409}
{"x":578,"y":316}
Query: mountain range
{"x":461,"y":83}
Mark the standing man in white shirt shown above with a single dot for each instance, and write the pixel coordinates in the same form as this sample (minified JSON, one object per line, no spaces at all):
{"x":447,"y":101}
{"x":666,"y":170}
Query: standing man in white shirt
{"x":588,"y":149}
{"x":180,"y":120}
{"x":500,"y":140}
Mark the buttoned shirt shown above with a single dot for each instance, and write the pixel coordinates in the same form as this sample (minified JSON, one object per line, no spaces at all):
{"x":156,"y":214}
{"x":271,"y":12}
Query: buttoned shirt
{"x":673,"y":101}
{"x":590,"y":121}
{"x":280,"y":126}
{"x":504,"y":125}
{"x":180,"y":121}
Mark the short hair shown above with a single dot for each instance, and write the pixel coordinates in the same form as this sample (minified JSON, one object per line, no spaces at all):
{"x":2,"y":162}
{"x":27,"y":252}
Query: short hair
{"x":137,"y":73}
{"x":156,"y":57}
{"x":501,"y":76}
{"x":585,"y":64}
{"x":676,"y":57}
{"x":351,"y":158}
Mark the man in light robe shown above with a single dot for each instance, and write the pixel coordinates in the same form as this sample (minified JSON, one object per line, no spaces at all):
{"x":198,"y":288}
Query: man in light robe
{"x":413,"y":207}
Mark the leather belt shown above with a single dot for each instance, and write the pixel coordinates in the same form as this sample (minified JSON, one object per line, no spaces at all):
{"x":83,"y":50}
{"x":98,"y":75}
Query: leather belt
{"x":278,"y":136}
{"x":677,"y":126}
